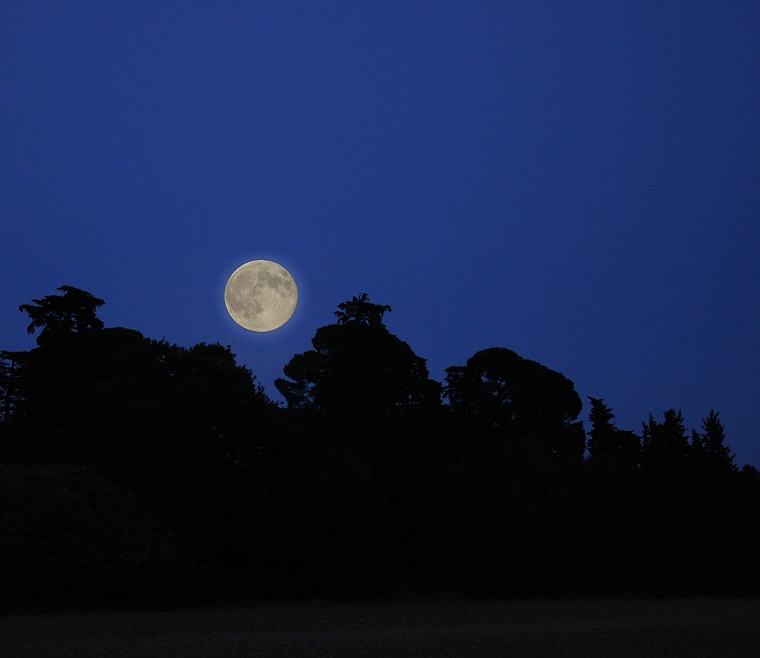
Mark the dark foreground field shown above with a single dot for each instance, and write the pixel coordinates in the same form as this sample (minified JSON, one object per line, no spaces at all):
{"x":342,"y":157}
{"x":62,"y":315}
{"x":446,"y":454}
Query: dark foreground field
{"x":675,"y":627}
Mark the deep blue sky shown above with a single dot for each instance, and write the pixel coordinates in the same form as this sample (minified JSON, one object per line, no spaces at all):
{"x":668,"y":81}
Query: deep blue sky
{"x":581,"y":185}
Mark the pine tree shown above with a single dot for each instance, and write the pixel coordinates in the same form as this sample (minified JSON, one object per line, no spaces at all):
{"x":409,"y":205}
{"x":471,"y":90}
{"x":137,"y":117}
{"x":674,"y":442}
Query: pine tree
{"x":601,"y":436}
{"x":711,"y":454}
{"x":606,"y":441}
{"x":666,"y":449}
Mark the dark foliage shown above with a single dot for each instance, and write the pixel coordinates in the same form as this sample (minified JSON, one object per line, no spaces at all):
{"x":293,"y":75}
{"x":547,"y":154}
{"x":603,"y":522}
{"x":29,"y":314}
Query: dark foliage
{"x":519,"y":398}
{"x":63,"y":317}
{"x":137,"y":472}
{"x":711,"y":457}
{"x":609,"y":445}
{"x":71,"y":537}
{"x":359,"y":376}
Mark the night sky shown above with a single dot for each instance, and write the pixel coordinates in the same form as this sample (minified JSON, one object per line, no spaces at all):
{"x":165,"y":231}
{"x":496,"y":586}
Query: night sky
{"x":576,"y":183}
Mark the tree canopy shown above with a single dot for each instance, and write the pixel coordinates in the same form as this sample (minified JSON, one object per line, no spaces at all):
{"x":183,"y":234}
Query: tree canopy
{"x":358,"y":369}
{"x":360,"y":309}
{"x":608,"y":443}
{"x":134,"y":471}
{"x":518,"y":396}
{"x":59,"y":316}
{"x":711,"y":455}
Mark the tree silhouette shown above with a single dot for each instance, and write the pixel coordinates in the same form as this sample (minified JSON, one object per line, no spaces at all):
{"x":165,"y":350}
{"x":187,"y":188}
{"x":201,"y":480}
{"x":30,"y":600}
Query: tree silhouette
{"x":59,"y":316}
{"x":358,"y":369}
{"x":521,"y":397}
{"x":151,"y":465}
{"x":607,"y":442}
{"x":51,"y":382}
{"x":48,"y":384}
{"x":361,"y":310}
{"x":665,"y":448}
{"x":710,"y":454}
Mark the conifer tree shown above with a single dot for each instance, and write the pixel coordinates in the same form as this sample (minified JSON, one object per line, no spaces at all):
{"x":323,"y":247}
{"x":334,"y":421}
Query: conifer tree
{"x":711,"y":454}
{"x":606,"y":441}
{"x":665,"y":449}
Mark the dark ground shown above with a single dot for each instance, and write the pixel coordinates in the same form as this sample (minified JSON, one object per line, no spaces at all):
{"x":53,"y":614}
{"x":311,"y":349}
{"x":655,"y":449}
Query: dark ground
{"x":668,"y":627}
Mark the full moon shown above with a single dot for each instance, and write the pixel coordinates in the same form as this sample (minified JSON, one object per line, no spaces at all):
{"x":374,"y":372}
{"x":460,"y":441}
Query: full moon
{"x":261,"y":295}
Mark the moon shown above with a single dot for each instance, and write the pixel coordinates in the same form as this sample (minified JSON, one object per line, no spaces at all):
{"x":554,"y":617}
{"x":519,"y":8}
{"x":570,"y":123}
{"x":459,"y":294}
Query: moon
{"x":261,"y":295}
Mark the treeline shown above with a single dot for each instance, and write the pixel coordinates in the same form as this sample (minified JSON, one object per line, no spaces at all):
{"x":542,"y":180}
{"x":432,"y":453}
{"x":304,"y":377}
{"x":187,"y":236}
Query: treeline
{"x":137,"y":472}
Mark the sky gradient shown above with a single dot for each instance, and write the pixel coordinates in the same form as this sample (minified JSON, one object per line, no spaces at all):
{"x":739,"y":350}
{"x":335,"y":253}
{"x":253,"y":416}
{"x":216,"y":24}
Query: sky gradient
{"x":580,"y":185}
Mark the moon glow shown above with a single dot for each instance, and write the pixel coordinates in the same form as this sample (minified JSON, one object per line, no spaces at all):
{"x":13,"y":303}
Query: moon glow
{"x":261,"y":295}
